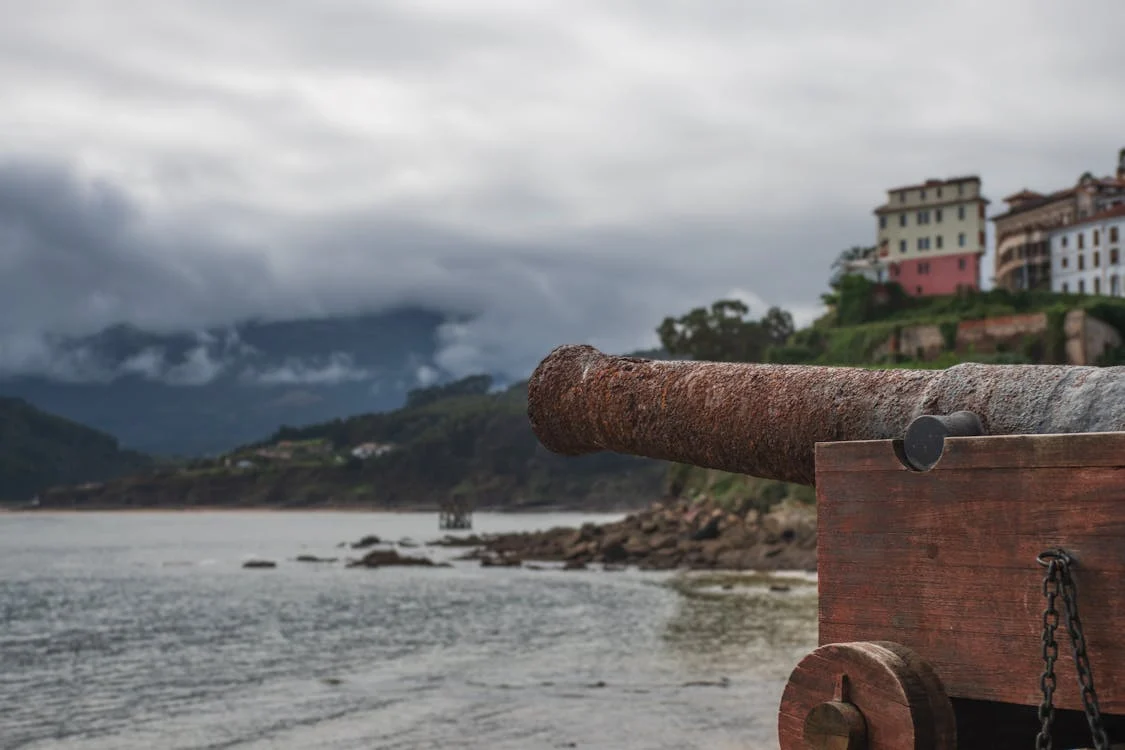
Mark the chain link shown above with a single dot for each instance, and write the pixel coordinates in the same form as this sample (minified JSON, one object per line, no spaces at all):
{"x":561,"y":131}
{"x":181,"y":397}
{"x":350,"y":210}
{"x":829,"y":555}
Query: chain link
{"x":1059,"y":582}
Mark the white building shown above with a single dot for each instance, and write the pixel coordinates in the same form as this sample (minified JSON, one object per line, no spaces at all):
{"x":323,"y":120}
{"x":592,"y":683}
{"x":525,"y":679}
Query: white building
{"x":1086,"y":255}
{"x":365,"y":451}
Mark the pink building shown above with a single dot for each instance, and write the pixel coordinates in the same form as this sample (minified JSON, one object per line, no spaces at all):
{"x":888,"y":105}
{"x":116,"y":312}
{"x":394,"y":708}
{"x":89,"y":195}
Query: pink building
{"x":939,"y":274}
{"x":931,"y":235}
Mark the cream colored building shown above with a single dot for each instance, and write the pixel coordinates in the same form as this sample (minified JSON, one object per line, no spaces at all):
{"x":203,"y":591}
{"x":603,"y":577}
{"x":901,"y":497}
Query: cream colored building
{"x":932,"y":235}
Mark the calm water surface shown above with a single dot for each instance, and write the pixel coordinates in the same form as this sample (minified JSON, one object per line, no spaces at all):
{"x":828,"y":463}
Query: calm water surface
{"x":142,"y":631}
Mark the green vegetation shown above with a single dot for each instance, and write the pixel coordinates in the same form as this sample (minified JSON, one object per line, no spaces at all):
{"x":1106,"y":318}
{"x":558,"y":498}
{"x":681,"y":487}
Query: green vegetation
{"x":737,"y":493}
{"x":724,"y":333}
{"x":38,"y":450}
{"x":455,"y":439}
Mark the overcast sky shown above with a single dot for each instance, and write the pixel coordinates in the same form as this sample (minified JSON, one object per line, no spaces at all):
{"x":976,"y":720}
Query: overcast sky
{"x":560,"y":170}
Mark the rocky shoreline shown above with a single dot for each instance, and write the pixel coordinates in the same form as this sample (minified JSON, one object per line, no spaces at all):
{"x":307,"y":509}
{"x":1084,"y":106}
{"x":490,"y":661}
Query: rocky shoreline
{"x":664,"y":537}
{"x":667,"y":536}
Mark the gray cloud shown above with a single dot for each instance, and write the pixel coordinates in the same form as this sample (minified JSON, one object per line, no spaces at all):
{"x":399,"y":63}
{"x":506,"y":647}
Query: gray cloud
{"x":546,"y":172}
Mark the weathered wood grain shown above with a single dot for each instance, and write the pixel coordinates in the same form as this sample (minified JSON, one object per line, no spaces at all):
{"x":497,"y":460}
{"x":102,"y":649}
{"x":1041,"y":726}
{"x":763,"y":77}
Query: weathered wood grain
{"x":943,"y":562}
{"x":899,"y":696}
{"x":1085,"y":449}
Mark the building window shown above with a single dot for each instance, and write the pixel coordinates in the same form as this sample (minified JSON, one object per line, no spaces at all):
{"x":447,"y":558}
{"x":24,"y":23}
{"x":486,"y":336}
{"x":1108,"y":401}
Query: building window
{"x":1065,"y":262}
{"x":1113,"y":257}
{"x":1097,"y":285}
{"x":902,"y":220}
{"x":1062,"y":241}
{"x":1113,"y":234}
{"x":1097,"y":238}
{"x":882,"y":222}
{"x":923,"y":268}
{"x":1065,"y":288}
{"x":1081,"y":286}
{"x":902,"y":246}
{"x":961,"y":213}
{"x":961,"y":240}
{"x":1114,"y":286}
{"x":937,"y":214}
{"x":1097,"y":259}
{"x":980,"y":210}
{"x":939,"y":192}
{"x":961,"y":264}
{"x":981,"y":238}
{"x":937,"y":242}
{"x":922,"y":194}
{"x":902,"y":197}
{"x":1081,"y":263}
{"x":1081,"y":240}
{"x":919,"y":289}
{"x":960,"y":189}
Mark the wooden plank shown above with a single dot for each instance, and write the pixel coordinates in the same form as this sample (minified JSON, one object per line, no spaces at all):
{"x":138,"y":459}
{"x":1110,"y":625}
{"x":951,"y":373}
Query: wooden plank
{"x":976,"y":547}
{"x":999,"y":451}
{"x":943,"y":562}
{"x":1054,"y":503}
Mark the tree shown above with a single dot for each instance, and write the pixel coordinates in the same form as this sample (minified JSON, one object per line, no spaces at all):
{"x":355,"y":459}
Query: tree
{"x":778,"y":325}
{"x":723,"y":332}
{"x":840,"y":265}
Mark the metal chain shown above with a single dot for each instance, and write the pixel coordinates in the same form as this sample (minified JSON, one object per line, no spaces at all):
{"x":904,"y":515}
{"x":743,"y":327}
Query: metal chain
{"x":1059,"y":582}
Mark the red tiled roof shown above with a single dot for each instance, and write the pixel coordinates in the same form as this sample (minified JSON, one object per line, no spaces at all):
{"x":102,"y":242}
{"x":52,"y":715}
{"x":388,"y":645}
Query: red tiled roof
{"x":1024,"y":194}
{"x":1042,"y":200}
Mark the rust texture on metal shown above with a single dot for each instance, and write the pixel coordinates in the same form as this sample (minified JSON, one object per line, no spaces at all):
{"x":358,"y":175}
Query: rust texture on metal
{"x":765,"y":420}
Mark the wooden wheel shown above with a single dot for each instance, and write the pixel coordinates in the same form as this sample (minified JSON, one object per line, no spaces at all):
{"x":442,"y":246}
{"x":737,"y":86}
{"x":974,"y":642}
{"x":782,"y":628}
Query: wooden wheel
{"x":867,"y":695}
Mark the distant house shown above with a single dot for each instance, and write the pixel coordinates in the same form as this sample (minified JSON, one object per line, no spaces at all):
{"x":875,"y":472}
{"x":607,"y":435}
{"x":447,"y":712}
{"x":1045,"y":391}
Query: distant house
{"x":931,"y":235}
{"x":365,"y":451}
{"x":244,"y":464}
{"x":279,"y":453}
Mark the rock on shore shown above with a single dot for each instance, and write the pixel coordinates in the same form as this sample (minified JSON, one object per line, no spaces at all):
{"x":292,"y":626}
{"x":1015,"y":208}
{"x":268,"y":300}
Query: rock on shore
{"x":383,"y":558}
{"x":670,"y":536}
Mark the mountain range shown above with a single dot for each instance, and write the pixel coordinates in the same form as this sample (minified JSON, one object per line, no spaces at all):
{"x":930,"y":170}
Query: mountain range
{"x":206,"y":392}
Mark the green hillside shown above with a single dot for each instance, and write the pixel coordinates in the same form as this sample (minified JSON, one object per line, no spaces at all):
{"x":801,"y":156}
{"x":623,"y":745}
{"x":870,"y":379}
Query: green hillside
{"x":38,"y":450}
{"x":458,"y":439}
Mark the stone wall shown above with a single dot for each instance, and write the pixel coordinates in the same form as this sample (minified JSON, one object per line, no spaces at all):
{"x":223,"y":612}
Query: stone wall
{"x":1087,"y":338}
{"x":921,"y":342}
{"x":995,"y":334}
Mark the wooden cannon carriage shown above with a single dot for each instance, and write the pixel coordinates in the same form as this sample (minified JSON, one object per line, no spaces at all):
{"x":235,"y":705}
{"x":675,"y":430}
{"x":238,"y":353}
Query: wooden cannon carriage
{"x":971,"y":532}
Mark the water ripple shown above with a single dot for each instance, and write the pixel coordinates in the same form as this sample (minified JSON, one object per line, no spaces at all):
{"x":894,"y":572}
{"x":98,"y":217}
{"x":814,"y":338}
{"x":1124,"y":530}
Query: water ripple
{"x":102,"y":646}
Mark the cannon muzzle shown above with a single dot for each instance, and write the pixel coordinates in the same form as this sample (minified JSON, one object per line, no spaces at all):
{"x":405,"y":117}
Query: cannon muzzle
{"x":765,"y":420}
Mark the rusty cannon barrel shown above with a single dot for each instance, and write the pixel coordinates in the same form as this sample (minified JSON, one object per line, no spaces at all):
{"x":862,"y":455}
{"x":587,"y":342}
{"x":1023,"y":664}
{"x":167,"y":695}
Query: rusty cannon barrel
{"x":765,"y":420}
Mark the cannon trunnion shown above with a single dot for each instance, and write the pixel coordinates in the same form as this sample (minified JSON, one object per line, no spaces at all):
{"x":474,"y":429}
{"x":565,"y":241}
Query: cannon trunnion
{"x":958,"y":512}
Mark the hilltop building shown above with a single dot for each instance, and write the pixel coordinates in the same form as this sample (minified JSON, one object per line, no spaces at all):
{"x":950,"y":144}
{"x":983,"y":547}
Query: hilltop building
{"x":1085,"y":255}
{"x":931,"y":235}
{"x":1023,"y":251}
